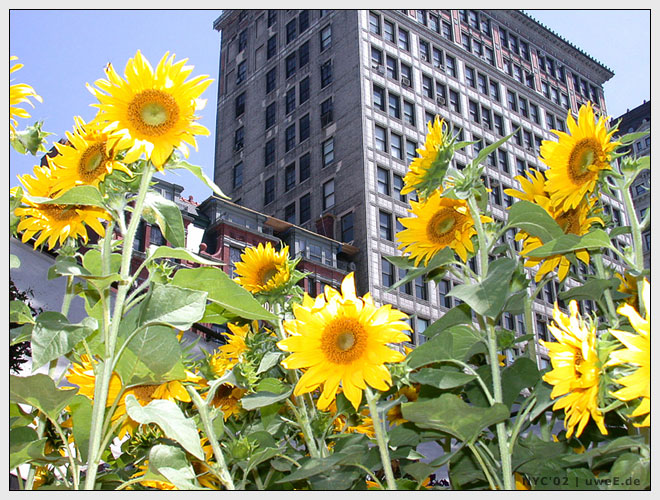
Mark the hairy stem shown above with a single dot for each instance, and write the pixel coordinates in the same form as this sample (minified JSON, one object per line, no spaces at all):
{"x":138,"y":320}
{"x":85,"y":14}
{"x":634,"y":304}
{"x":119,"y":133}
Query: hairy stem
{"x":381,"y":439}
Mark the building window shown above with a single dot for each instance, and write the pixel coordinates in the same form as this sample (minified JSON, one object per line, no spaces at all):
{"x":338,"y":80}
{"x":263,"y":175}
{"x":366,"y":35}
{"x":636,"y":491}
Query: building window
{"x":290,"y":65}
{"x":421,"y":324}
{"x":385,"y":225}
{"x":239,"y":105}
{"x":503,"y":160}
{"x":394,"y":105}
{"x":269,"y":190}
{"x":411,"y":150}
{"x":271,"y":78}
{"x":326,"y":73}
{"x":397,"y":185}
{"x":444,"y":287}
{"x":303,"y":21}
{"x":291,"y":31}
{"x":524,"y":107}
{"x":290,"y":213}
{"x":326,"y":112}
{"x":269,"y":152}
{"x":511,"y":100}
{"x":469,"y":77}
{"x":454,"y":101}
{"x":326,"y":37}
{"x":239,"y":136}
{"x":494,"y":88}
{"x":473,"y":109}
{"x":290,"y":100}
{"x":404,"y":40}
{"x":289,"y":177}
{"x":434,"y":23}
{"x":427,"y":86}
{"x":328,"y":152}
{"x":347,"y":234}
{"x":409,"y":112}
{"x":303,"y":54}
{"x":534,"y":113}
{"x":396,"y":147}
{"x":447,"y":31}
{"x":499,"y":123}
{"x":303,"y":128}
{"x":290,"y":138}
{"x":272,"y":17}
{"x":305,"y":209}
{"x":303,"y":167}
{"x":381,"y":138}
{"x":303,"y":90}
{"x":271,"y":47}
{"x":383,"y":180}
{"x":424,"y":50}
{"x":486,"y":118}
{"x":406,"y":75}
{"x":387,"y":272}
{"x":242,"y":40}
{"x":328,"y":194}
{"x":241,"y":71}
{"x":451,"y":66}
{"x":392,"y":68}
{"x":376,"y":57}
{"x":421,"y":288}
{"x":388,"y":30}
{"x":270,"y":115}
{"x":374,"y":23}
{"x":237,"y":175}
{"x":379,"y":97}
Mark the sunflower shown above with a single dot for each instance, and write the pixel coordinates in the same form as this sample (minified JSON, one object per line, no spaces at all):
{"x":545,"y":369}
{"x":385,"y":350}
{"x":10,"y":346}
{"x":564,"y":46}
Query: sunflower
{"x":227,"y":398}
{"x":438,"y":223}
{"x":637,"y":352}
{"x":155,"y":484}
{"x":88,"y":157}
{"x":576,"y":159}
{"x":628,"y":286}
{"x":427,"y":170}
{"x":363,"y":425}
{"x":263,"y":269}
{"x":394,"y":416}
{"x":226,"y":357}
{"x":576,"y":370}
{"x":156,"y":109}
{"x":342,"y":338}
{"x":54,"y":222}
{"x":18,"y":94}
{"x":576,"y":221}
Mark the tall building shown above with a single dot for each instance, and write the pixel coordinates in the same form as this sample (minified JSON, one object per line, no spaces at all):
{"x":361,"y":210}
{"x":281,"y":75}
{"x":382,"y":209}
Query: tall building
{"x":639,"y":120}
{"x":321,"y":111}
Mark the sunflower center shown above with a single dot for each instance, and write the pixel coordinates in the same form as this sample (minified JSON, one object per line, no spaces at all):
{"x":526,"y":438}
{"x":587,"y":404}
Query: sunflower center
{"x":267,"y":273}
{"x":584,"y":154}
{"x":440,"y":228}
{"x":60,"y":213}
{"x":91,"y":161}
{"x":344,"y":340}
{"x":570,"y":222}
{"x":153,"y":112}
{"x":144,"y":392}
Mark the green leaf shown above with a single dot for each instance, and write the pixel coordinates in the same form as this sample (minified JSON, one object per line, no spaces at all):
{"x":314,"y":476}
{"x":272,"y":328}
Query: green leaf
{"x":174,"y":306}
{"x":522,"y":373}
{"x":268,"y":393}
{"x":24,"y":446}
{"x":442,"y":378}
{"x":39,"y":391}
{"x":457,"y":342}
{"x":53,"y":336}
{"x":458,"y":315}
{"x":534,"y":220}
{"x":78,"y":195}
{"x":19,"y":312}
{"x":197,"y":172}
{"x":31,"y":140}
{"x":419,"y":470}
{"x":630,"y":472}
{"x":93,"y":262}
{"x":14,"y":261}
{"x":594,"y":240}
{"x":269,"y":360}
{"x":171,"y":463}
{"x":181,"y":253}
{"x":443,"y":258}
{"x":483,"y":153}
{"x":81,"y":412}
{"x":403,"y":435}
{"x":592,"y":289}
{"x":489,"y":296}
{"x":222,"y":290}
{"x":167,"y":215}
{"x":450,"y":414}
{"x":169,"y":417}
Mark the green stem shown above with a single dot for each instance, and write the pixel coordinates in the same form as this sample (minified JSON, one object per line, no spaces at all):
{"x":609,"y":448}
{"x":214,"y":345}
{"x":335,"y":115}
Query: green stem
{"x":483,"y":466}
{"x":381,"y":439}
{"x":638,"y":249}
{"x":502,"y":440}
{"x":520,"y":421}
{"x":75,"y":472}
{"x":600,"y":272}
{"x":102,"y":386}
{"x":529,"y":326}
{"x":202,"y":408}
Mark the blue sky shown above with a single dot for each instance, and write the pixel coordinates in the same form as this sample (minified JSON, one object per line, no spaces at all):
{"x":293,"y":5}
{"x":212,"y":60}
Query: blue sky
{"x":62,"y":50}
